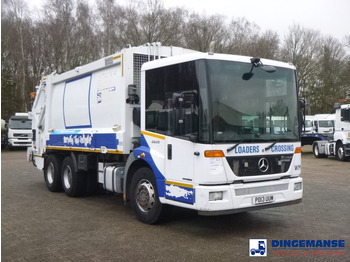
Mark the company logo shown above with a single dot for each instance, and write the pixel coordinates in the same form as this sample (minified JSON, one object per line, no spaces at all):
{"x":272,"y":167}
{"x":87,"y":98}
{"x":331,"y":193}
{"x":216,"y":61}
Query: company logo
{"x":257,"y":247}
{"x":263,"y":165}
{"x":308,"y":247}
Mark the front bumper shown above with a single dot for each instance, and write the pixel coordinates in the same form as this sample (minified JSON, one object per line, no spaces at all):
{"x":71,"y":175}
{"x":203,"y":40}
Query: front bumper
{"x":240,"y":197}
{"x":19,"y":143}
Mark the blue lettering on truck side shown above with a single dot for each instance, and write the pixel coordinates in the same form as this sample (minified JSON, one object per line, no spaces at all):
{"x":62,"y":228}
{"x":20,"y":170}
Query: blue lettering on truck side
{"x":247,"y":149}
{"x":256,"y":149}
{"x":283,"y":148}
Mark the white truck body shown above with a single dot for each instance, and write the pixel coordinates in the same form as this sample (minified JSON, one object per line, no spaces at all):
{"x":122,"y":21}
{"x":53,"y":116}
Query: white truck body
{"x":309,"y":127}
{"x":324,"y":124}
{"x":19,"y":131}
{"x":339,"y":146}
{"x":155,"y":135}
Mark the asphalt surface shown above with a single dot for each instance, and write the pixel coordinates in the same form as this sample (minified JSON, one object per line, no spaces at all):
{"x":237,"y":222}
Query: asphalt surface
{"x":37,"y":225}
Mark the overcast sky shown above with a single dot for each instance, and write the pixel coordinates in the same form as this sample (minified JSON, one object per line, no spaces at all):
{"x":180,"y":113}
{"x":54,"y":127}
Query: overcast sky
{"x":330,"y":17}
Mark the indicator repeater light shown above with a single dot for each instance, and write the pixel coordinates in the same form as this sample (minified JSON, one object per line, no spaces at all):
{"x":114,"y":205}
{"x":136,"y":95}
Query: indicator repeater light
{"x":214,"y":153}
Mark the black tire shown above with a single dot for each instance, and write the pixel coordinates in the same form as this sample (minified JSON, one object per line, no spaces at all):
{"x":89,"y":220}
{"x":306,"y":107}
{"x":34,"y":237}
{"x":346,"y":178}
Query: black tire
{"x":144,"y":197}
{"x":341,"y":153}
{"x":52,"y":173}
{"x":73,"y":183}
{"x":317,"y":152}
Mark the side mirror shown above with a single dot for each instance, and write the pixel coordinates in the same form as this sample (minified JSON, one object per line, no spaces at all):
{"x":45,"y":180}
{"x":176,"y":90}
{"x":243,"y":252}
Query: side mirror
{"x":302,"y":107}
{"x":133,"y":97}
{"x":302,"y":104}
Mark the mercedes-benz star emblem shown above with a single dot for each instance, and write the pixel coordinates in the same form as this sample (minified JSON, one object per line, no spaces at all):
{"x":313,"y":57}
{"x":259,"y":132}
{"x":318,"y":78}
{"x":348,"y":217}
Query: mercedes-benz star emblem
{"x":263,"y":165}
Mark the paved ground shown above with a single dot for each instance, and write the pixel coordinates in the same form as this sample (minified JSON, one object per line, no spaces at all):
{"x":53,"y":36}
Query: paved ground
{"x":38,"y":225}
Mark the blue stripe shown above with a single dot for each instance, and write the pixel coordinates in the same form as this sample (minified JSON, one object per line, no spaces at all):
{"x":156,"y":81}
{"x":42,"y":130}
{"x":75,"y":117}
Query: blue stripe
{"x":180,"y":193}
{"x":81,"y":140}
{"x":160,"y":179}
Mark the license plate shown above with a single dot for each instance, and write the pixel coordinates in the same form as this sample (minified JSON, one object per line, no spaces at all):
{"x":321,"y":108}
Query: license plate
{"x":257,"y":200}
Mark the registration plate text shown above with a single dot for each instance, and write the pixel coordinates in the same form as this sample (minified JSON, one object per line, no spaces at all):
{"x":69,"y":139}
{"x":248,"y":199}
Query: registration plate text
{"x":257,"y":200}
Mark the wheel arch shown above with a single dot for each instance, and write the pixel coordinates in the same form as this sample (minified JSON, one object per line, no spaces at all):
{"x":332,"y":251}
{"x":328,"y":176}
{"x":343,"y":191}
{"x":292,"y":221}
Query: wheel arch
{"x":339,"y":142}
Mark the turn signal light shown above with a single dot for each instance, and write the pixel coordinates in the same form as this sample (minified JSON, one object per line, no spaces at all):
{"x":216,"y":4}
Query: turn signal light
{"x":32,"y":95}
{"x":297,"y":150}
{"x":214,"y":153}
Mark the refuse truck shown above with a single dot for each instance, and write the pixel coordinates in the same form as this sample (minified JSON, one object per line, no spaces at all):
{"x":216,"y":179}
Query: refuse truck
{"x":167,"y":126}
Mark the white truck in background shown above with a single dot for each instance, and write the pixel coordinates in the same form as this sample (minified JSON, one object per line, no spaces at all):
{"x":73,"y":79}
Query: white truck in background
{"x":324,"y":124}
{"x":317,"y":127}
{"x":308,"y":127}
{"x":19,"y":131}
{"x":188,"y":129}
{"x":339,"y":146}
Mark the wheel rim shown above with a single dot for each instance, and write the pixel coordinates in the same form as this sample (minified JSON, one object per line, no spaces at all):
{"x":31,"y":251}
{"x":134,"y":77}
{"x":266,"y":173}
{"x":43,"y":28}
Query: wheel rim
{"x":50,"y":172}
{"x":340,"y":152}
{"x":67,"y":177}
{"x":316,"y":150}
{"x":145,"y":195}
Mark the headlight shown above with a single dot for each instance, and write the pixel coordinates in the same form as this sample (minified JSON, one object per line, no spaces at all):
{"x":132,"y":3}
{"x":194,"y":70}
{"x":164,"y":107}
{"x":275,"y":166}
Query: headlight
{"x":298,"y":186}
{"x":214,"y":196}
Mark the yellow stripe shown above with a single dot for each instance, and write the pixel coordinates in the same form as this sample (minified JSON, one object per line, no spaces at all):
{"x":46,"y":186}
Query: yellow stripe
{"x":178,"y":184}
{"x":83,"y":149}
{"x":153,"y":135}
{"x":122,"y":65}
{"x":122,"y":57}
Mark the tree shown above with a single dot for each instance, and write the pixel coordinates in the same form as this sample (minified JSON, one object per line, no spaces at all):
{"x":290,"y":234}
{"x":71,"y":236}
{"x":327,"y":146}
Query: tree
{"x":200,"y":31}
{"x":59,"y":26}
{"x":302,"y":47}
{"x":331,"y":67}
{"x":69,"y":33}
{"x":14,"y":53}
{"x":242,"y":34}
{"x":111,"y":26}
{"x":86,"y":44}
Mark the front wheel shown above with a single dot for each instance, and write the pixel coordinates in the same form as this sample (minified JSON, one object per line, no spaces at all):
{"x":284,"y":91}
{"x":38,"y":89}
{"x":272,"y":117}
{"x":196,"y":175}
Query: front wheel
{"x":144,"y":197}
{"x":341,"y":153}
{"x":317,"y":152}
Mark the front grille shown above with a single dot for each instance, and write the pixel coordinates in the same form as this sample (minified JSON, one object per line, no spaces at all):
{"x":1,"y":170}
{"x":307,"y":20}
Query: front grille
{"x":259,"y":165}
{"x":22,"y":143}
{"x":21,"y":135}
{"x":260,"y":189}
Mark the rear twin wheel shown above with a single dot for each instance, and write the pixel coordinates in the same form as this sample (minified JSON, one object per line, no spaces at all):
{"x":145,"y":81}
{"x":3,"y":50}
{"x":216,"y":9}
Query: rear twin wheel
{"x":52,"y":173}
{"x":60,"y":175}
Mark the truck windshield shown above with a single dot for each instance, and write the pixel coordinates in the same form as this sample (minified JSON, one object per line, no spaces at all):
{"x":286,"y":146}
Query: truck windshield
{"x":308,"y":123}
{"x":262,"y":108}
{"x":20,"y":123}
{"x":325,"y":123}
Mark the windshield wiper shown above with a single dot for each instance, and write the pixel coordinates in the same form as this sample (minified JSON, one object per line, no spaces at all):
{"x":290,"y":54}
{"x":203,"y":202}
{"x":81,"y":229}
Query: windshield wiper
{"x":233,"y":147}
{"x":270,"y":146}
{"x":274,"y":143}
